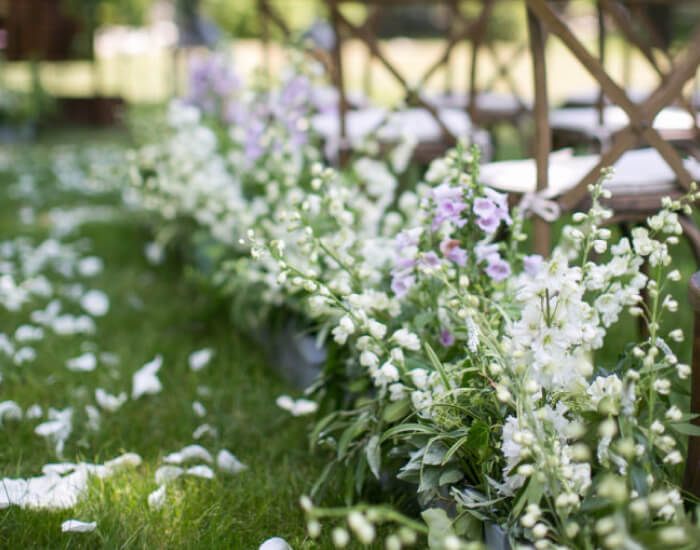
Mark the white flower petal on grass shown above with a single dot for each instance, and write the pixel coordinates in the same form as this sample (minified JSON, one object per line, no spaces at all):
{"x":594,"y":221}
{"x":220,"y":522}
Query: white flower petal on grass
{"x":84,"y":363}
{"x":164,"y":474}
{"x":12,"y":492}
{"x":109,"y":358}
{"x":58,"y":428}
{"x":60,"y":487}
{"x":191,"y":452}
{"x":155,"y":254}
{"x":300,"y":407}
{"x":7,"y":347}
{"x":34,"y":411}
{"x":275,"y":543}
{"x":145,"y":380}
{"x":127,"y":459}
{"x":199,"y":359}
{"x":90,"y":266}
{"x":10,"y":409}
{"x":201,"y":471}
{"x":47,"y":315}
{"x":24,"y":355}
{"x":95,"y":302}
{"x":76,"y":526}
{"x":227,"y":462}
{"x":58,"y":468}
{"x":108,"y":401}
{"x":93,"y":414}
{"x":28,"y":333}
{"x":199,"y":409}
{"x":70,"y":324}
{"x":157,"y":498}
{"x":204,"y":429}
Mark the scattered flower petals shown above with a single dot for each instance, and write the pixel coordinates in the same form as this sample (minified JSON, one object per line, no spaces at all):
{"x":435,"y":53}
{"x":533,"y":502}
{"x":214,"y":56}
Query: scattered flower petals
{"x":75,"y":526}
{"x":93,"y":414}
{"x":33,"y":412}
{"x":199,"y":409}
{"x":110,"y":402}
{"x":199,"y":359}
{"x":10,"y":409}
{"x":145,"y":380}
{"x":191,"y":452}
{"x":109,"y":358}
{"x":204,"y":429}
{"x":128,"y":459}
{"x":201,"y":471}
{"x":227,"y":462}
{"x":157,"y":498}
{"x":90,"y":266}
{"x":275,"y":543}
{"x":84,"y":363}
{"x":164,"y":474}
{"x":95,"y":302}
{"x":24,"y":355}
{"x":300,"y":407}
{"x":58,"y":428}
{"x":28,"y":333}
{"x":60,"y":487}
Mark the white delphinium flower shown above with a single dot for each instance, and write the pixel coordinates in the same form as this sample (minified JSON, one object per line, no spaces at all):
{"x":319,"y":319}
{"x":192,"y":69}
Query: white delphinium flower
{"x":406,"y":339}
{"x":345,"y":328}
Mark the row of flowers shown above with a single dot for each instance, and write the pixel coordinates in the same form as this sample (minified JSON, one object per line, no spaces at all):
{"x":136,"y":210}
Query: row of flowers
{"x":458,"y":363}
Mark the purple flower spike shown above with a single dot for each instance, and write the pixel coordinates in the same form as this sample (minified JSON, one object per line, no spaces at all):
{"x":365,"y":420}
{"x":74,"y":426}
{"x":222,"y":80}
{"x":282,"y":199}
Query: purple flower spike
{"x":451,"y":250}
{"x":401,"y":284}
{"x":483,"y":208}
{"x":532,"y":264}
{"x":498,"y":269}
{"x":488,"y":224}
{"x":446,"y":338}
{"x":431,"y":259}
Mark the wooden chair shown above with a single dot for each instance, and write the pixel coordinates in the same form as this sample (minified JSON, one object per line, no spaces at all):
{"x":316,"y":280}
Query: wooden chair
{"x":461,"y":29}
{"x":591,"y":119}
{"x":638,"y":130}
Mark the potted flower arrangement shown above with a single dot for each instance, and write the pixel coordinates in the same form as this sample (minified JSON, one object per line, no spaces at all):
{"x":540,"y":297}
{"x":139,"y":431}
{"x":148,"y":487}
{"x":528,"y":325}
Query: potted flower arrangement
{"x":469,"y":368}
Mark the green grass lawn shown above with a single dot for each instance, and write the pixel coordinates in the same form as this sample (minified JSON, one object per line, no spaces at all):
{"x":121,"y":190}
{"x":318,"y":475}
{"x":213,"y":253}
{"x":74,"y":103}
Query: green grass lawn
{"x":155,"y":310}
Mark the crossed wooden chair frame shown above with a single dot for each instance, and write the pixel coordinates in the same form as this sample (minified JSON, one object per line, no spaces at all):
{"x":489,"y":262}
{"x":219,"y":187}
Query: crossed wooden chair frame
{"x":641,"y":115}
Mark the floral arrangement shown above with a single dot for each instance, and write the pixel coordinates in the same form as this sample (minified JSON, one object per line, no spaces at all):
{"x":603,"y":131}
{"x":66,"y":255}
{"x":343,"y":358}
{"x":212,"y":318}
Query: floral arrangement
{"x":459,"y":365}
{"x":240,"y":158}
{"x":468,"y":368}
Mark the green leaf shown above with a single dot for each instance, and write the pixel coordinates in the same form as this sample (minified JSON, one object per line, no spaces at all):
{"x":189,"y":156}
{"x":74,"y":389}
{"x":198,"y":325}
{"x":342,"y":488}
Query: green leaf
{"x":374,"y":455}
{"x":320,"y":425}
{"x":408,"y":427}
{"x":453,"y":475}
{"x":439,"y":526}
{"x":686,"y":428}
{"x":350,"y":433}
{"x":438,"y":365}
{"x":397,"y":410}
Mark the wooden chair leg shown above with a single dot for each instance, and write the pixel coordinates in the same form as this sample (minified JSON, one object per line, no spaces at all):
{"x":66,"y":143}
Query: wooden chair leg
{"x":691,"y":483}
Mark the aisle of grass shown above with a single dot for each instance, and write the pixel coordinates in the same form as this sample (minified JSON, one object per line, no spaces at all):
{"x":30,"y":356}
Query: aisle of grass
{"x":153,"y":310}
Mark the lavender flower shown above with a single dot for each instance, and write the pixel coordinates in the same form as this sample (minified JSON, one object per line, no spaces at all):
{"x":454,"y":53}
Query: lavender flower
{"x":532,"y":264}
{"x":452,"y":251}
{"x":447,"y":339}
{"x":497,"y":268}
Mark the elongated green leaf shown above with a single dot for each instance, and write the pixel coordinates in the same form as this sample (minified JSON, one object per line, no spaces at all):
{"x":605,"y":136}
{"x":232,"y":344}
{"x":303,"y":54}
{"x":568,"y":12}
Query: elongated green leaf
{"x":397,"y":410}
{"x":409,"y":427}
{"x":438,"y":365}
{"x":374,"y":455}
{"x":686,"y":428}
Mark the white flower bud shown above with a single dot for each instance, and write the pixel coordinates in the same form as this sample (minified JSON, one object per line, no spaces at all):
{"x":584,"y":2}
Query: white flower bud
{"x":340,"y":537}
